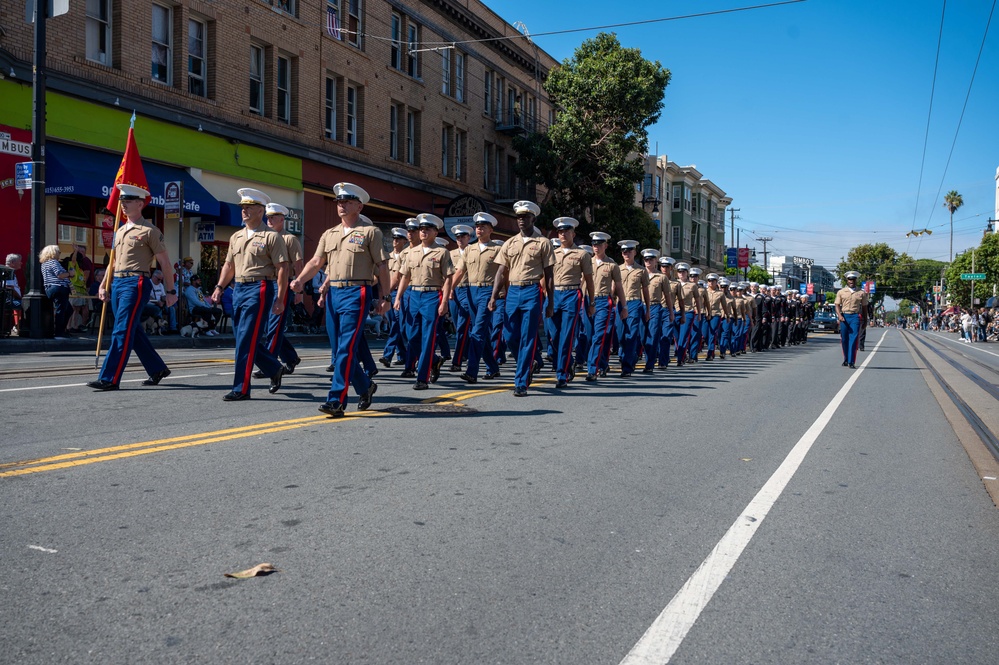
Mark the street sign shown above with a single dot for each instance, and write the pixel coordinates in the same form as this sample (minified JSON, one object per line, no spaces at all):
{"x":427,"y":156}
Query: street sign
{"x":973,"y":276}
{"x":22,"y":175}
{"x":743,"y":257}
{"x":732,"y":257}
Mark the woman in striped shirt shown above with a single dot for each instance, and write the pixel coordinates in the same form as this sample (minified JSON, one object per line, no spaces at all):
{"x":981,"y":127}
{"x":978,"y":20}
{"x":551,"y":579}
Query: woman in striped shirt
{"x":57,"y":285}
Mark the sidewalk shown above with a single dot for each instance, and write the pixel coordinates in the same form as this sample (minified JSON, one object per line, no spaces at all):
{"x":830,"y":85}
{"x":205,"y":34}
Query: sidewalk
{"x":88,"y":341}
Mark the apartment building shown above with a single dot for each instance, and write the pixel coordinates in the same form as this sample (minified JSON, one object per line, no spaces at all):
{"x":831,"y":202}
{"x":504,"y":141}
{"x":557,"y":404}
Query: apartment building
{"x":689,"y":211}
{"x":416,"y":101}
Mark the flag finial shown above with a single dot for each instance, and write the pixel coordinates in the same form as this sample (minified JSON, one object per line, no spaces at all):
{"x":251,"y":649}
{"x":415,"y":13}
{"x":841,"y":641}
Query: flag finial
{"x":131,"y":123}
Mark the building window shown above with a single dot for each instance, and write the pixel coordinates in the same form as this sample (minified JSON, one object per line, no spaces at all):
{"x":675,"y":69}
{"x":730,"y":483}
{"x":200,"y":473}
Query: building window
{"x":446,"y":72}
{"x":445,"y":145}
{"x":460,"y":140}
{"x":686,"y":239}
{"x":284,"y":89}
{"x":287,"y":6}
{"x":487,"y":92}
{"x":395,"y":59}
{"x":354,"y":22}
{"x":459,"y":77}
{"x":256,"y":79}
{"x":412,"y":137}
{"x":487,"y":158}
{"x":676,"y":197}
{"x":162,"y":60}
{"x":412,"y":57}
{"x":686,"y":199}
{"x":394,"y":131}
{"x":330,"y":109}
{"x":676,"y":239}
{"x":99,"y":31}
{"x":498,"y":94}
{"x":352,"y":106}
{"x":197,"y":68}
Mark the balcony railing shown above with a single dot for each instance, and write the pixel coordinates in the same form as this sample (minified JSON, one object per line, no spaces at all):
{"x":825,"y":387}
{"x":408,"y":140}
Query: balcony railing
{"x":513,"y":121}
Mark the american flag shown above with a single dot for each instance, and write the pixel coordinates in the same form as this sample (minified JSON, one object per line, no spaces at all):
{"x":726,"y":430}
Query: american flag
{"x":332,"y":25}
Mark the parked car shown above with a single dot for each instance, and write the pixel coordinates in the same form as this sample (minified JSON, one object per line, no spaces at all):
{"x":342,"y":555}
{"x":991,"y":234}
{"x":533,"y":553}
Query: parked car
{"x":824,"y":321}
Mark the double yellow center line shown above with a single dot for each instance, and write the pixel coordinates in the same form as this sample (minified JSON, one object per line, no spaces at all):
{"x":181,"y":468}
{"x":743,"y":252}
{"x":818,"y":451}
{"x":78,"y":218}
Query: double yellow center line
{"x":83,"y":457}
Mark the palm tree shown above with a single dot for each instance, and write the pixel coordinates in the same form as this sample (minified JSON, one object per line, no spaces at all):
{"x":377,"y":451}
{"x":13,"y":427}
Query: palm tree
{"x":952,"y":201}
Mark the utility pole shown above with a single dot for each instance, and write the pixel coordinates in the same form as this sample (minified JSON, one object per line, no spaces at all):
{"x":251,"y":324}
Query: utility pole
{"x":35,"y":298}
{"x":732,"y":211}
{"x":765,"y":240}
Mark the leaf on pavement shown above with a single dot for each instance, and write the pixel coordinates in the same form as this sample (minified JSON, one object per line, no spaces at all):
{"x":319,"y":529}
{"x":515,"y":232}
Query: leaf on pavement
{"x":257,"y":571}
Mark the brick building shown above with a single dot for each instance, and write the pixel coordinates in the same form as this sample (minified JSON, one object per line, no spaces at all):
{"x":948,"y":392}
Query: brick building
{"x":416,"y":101}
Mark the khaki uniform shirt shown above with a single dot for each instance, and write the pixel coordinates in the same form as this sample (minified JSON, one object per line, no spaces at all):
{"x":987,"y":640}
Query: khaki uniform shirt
{"x":456,"y":259}
{"x":258,"y":256}
{"x":570,"y":266}
{"x":480,"y":264}
{"x":734,"y":309}
{"x":427,"y":269}
{"x":633,"y":279}
{"x":703,"y":293}
{"x":716,"y":303}
{"x":605,"y":273}
{"x":526,"y":258}
{"x":851,"y":301}
{"x":352,"y":254}
{"x":677,"y":290}
{"x":294,"y":246}
{"x":691,"y":296}
{"x":395,"y":261}
{"x":656,"y":283}
{"x":135,"y":248}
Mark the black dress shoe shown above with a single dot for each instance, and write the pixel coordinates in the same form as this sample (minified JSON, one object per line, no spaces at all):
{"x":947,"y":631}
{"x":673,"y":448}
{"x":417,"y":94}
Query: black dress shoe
{"x":435,"y":370}
{"x":332,"y":409}
{"x":398,"y":361}
{"x":373,"y":373}
{"x":845,"y":363}
{"x":234,"y":396}
{"x":520,"y":392}
{"x":648,"y":370}
{"x":602,"y":373}
{"x":852,"y":366}
{"x":455,"y":368}
{"x":492,"y":375}
{"x":420,"y":385}
{"x":591,"y":377}
{"x":385,"y":361}
{"x":561,"y":384}
{"x":97,"y":384}
{"x":365,"y":400}
{"x":408,"y":374}
{"x":331,"y":368}
{"x":468,"y":378}
{"x":276,"y":381}
{"x":259,"y":374}
{"x":154,"y":379}
{"x":289,"y":368}
{"x":625,"y":375}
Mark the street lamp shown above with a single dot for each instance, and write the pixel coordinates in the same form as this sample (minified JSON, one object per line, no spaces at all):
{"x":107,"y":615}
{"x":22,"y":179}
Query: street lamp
{"x":655,"y":205}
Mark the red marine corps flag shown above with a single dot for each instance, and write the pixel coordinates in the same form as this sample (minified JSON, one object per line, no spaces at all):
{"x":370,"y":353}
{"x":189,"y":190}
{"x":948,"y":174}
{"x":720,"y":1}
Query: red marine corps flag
{"x":130,"y":172}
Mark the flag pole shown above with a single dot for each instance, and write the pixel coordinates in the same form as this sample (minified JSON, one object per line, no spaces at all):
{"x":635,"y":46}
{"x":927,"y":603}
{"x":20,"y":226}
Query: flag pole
{"x":106,"y":285}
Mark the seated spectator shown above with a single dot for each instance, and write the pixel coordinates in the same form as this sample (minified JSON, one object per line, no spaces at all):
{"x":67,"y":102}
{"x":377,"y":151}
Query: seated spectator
{"x":156,"y":306}
{"x":199,"y":307}
{"x":14,"y":262}
{"x":57,"y":286}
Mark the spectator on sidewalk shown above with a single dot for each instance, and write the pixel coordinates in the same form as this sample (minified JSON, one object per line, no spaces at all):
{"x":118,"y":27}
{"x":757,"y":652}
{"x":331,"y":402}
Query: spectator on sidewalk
{"x":157,"y":306}
{"x":199,"y":307}
{"x":14,"y":263}
{"x":57,"y":287}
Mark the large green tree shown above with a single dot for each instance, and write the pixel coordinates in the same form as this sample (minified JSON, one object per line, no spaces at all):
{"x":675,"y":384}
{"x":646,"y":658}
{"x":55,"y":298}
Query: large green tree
{"x":985,"y":258}
{"x":896,"y":274}
{"x":606,"y":97}
{"x":755,"y":274}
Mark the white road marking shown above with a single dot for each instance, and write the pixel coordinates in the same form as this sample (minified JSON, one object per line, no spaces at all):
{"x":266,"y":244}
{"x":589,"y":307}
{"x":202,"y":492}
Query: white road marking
{"x":977,"y":346}
{"x":667,"y":632}
{"x":42,"y":549}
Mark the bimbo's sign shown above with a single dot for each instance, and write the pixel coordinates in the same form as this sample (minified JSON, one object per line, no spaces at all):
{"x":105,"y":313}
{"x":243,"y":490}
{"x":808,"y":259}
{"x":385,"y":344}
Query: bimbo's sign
{"x":800,"y":261}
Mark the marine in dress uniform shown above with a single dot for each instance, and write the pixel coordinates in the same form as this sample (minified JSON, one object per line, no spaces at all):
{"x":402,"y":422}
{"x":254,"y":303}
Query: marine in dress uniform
{"x":257,"y":262}
{"x":427,"y":272}
{"x":851,"y":310}
{"x":729,"y":325}
{"x":691,"y":298}
{"x":355,"y":258}
{"x":606,"y":288}
{"x":478,"y":268}
{"x":410,"y":331}
{"x":671,"y":327}
{"x":277,"y":342}
{"x":716,"y":310}
{"x":444,"y":321}
{"x":525,"y":260}
{"x":585,"y":331}
{"x":660,"y":309}
{"x":136,"y":244}
{"x":396,"y":342}
{"x":635,"y":281}
{"x":460,"y":294}
{"x":573,"y":276}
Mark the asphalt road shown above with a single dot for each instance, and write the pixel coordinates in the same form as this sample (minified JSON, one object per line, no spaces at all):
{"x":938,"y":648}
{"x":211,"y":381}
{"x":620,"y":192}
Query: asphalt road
{"x":552,"y":529}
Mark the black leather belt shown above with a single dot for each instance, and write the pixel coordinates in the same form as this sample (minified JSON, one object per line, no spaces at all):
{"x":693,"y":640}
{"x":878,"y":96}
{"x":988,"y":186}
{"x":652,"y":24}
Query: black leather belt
{"x":131,"y":273}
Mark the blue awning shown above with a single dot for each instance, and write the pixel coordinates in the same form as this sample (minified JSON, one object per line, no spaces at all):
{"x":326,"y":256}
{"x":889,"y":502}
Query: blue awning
{"x":230,"y":214}
{"x":70,"y":169}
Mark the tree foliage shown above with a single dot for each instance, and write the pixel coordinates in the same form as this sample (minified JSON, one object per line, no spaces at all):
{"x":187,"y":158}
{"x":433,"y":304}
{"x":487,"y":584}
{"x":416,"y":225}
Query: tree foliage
{"x":986,"y":260}
{"x":896,"y":274}
{"x":755,"y":274}
{"x":605,"y":97}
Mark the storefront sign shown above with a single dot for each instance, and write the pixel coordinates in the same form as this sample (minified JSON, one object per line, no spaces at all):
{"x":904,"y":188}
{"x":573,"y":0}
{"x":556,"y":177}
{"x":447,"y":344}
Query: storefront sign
{"x":294,"y":221}
{"x":173,"y":199}
{"x":462,"y":209}
{"x":206,"y":232}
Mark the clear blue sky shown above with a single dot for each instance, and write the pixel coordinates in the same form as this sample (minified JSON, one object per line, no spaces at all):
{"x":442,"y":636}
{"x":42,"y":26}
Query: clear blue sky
{"x":812,"y":116}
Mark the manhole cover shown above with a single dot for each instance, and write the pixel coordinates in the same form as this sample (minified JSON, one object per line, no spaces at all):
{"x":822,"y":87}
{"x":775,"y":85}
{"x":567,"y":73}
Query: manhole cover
{"x":433,"y":409}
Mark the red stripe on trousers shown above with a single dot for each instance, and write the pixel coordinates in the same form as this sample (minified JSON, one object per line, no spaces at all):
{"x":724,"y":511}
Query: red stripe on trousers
{"x":362,"y":314}
{"x":125,"y":352}
{"x":280,"y":324}
{"x":256,"y":337}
